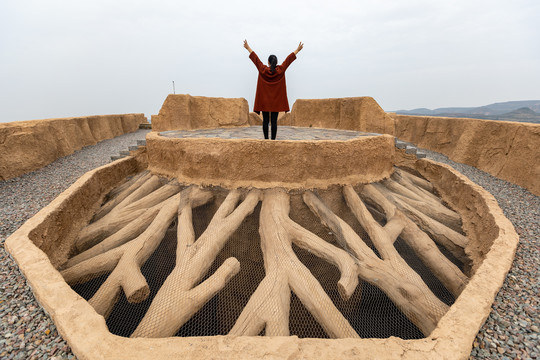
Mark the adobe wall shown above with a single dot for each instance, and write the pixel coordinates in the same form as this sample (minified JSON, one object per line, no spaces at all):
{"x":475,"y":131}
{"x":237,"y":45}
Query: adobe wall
{"x":355,"y":113}
{"x":29,"y":145}
{"x":507,"y":150}
{"x":185,"y":112}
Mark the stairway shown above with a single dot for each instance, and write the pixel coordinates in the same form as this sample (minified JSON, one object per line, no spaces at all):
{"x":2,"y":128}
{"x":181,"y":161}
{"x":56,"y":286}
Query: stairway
{"x":409,"y":148}
{"x":125,"y":153}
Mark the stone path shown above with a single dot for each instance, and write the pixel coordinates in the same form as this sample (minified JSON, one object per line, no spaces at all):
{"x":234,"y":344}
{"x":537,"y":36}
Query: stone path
{"x":255,"y":132}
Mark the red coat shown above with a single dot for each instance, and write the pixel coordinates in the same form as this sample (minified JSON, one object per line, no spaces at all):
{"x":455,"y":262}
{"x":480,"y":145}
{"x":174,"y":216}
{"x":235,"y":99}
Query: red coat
{"x":271,"y":92}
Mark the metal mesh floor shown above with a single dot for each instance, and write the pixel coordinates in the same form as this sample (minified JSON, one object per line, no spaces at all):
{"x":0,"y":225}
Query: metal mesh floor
{"x":369,"y":310}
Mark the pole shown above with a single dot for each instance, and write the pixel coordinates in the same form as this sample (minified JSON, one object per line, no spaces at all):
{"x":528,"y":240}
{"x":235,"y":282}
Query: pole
{"x":173,"y":89}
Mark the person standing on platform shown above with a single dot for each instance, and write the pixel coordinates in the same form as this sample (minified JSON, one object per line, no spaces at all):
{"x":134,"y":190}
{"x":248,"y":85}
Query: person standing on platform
{"x":271,"y":94}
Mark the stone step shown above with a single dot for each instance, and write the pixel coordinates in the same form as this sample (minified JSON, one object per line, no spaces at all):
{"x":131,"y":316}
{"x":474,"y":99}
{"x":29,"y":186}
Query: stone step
{"x":116,"y":157}
{"x":124,"y":153}
{"x":401,"y":144}
{"x":133,"y":147}
{"x":145,"y":126}
{"x":141,"y":142}
{"x":410,"y":150}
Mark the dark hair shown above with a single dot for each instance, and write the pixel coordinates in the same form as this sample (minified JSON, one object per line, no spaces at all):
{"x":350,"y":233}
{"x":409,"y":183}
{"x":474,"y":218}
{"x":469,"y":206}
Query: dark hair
{"x":272,"y":59}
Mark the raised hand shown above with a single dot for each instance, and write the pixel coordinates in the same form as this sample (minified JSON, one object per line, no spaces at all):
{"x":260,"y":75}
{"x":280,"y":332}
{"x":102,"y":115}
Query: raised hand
{"x":300,"y":47}
{"x":246,"y":45}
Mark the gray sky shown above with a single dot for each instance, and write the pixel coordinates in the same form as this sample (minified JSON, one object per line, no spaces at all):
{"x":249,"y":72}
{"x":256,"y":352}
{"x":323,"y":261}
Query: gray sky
{"x":64,"y":58}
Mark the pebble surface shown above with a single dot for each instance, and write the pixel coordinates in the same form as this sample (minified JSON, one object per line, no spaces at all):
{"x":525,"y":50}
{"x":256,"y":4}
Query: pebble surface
{"x":255,"y":132}
{"x":27,"y":331}
{"x":510,"y":332}
{"x":511,"y":329}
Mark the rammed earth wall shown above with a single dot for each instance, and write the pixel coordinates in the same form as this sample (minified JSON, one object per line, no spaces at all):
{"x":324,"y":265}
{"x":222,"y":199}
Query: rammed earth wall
{"x":29,"y":145}
{"x":186,"y":112}
{"x":507,"y":150}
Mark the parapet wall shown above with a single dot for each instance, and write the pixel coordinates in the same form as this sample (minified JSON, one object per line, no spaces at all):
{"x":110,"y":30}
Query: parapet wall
{"x":186,"y":112}
{"x":29,"y":145}
{"x":355,"y":113}
{"x":507,"y":150}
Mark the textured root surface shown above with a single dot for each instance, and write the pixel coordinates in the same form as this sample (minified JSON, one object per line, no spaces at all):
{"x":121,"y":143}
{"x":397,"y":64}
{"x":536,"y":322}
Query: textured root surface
{"x":396,"y":238}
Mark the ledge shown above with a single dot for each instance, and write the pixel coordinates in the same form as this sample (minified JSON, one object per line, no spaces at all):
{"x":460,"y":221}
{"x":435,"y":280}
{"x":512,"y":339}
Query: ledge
{"x":234,"y":163}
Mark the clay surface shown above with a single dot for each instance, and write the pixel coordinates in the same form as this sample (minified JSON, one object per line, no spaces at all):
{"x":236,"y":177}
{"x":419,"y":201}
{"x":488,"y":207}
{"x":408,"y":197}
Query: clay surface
{"x":265,"y":164}
{"x":184,"y":112}
{"x":357,"y":113}
{"x":508,"y":150}
{"x":29,"y":145}
{"x":88,"y":336}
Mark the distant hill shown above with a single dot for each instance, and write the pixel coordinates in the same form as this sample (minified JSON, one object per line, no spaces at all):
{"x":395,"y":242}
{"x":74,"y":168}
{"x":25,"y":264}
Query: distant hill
{"x":524,"y":111}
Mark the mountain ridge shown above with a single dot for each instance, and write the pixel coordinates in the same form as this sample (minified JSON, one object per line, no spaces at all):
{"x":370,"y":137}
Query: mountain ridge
{"x":523,"y":111}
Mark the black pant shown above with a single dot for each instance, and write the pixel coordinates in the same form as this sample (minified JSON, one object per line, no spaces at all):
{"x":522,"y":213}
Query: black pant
{"x":273,"y":118}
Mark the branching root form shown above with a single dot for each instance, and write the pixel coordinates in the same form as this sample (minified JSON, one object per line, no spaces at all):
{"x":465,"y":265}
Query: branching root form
{"x":130,"y":226}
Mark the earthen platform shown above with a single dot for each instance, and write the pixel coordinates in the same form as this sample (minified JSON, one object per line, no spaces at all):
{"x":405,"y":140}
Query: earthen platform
{"x":240,"y":157}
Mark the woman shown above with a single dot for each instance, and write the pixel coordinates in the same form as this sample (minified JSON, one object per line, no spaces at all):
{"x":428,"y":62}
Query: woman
{"x":271,"y":95}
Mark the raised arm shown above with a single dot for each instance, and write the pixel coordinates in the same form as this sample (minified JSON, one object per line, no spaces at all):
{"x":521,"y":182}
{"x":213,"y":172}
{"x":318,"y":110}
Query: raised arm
{"x":246,"y":45}
{"x":300,"y":47}
{"x":258,"y":63}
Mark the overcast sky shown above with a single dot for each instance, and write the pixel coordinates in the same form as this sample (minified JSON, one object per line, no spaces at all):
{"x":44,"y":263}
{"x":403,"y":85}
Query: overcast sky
{"x":64,"y":58}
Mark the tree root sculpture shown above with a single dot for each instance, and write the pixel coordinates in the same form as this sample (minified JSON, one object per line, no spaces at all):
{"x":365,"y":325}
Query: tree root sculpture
{"x":129,"y":227}
{"x":126,"y":184}
{"x":180,"y":297}
{"x":424,"y":202}
{"x":147,"y":195}
{"x":424,"y":247}
{"x":118,"y":195}
{"x":424,"y":211}
{"x":268,"y":308}
{"x":391,"y":273}
{"x":125,"y":261}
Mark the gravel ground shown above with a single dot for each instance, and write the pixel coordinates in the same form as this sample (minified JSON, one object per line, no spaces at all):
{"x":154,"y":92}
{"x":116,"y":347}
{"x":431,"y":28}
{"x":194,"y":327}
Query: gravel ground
{"x":510,"y":332}
{"x":27,"y":331}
